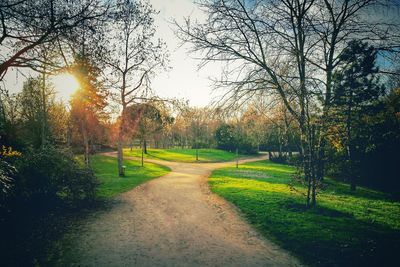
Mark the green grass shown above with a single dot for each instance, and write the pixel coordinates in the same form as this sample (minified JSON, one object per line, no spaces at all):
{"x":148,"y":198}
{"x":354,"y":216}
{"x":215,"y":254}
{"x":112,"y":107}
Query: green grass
{"x":106,"y":171}
{"x":184,"y":155}
{"x":346,"y":229}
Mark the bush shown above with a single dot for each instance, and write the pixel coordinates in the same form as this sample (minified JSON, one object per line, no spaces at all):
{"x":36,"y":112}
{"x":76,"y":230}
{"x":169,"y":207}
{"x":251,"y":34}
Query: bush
{"x":228,"y":138}
{"x":7,"y":172}
{"x":294,"y":160}
{"x":53,"y":173}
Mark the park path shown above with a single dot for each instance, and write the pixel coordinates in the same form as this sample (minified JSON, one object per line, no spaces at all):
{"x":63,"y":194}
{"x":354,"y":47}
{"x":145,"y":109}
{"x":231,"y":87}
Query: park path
{"x":172,"y":221}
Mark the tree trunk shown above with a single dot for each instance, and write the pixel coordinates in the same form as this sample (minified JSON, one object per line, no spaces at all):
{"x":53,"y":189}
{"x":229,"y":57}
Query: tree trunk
{"x":237,"y":158}
{"x":145,"y":146}
{"x":44,"y":109}
{"x":307,"y":147}
{"x":86,"y":145}
{"x":350,"y":147}
{"x":120,"y":143}
{"x":313,"y":166}
{"x":142,"y":156}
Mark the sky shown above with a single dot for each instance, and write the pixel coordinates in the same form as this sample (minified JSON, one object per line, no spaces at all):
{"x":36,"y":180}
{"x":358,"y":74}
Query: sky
{"x":183,"y":80}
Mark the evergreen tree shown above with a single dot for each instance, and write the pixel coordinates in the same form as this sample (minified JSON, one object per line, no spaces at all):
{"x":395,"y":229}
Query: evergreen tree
{"x":355,"y":90}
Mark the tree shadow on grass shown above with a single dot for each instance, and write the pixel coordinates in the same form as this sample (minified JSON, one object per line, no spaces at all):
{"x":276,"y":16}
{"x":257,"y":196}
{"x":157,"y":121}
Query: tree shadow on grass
{"x":323,"y":211}
{"x":30,"y":232}
{"x":322,"y":236}
{"x":329,"y":237}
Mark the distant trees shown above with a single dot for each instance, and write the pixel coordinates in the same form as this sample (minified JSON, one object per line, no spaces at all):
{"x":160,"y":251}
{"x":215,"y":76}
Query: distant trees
{"x":34,"y":115}
{"x":148,"y":121}
{"x":194,"y":127}
{"x":225,"y":137}
{"x":234,"y":136}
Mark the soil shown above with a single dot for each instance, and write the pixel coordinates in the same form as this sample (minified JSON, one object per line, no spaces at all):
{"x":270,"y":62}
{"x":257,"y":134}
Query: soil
{"x":173,"y":220}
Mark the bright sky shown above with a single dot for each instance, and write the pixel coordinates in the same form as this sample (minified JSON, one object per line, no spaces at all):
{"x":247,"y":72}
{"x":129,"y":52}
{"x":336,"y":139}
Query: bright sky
{"x":182,"y":81}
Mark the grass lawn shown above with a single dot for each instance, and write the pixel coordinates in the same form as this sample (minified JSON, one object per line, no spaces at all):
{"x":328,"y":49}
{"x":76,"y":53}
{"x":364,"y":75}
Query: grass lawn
{"x":347,"y":229}
{"x":184,"y":155}
{"x":106,"y":171}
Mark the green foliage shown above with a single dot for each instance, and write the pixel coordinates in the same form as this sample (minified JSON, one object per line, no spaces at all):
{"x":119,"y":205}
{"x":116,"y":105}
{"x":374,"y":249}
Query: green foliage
{"x":230,"y":137}
{"x":32,"y":116}
{"x":105,"y":169}
{"x":52,"y":174}
{"x":355,"y":83}
{"x":364,"y":124}
{"x":381,"y":144}
{"x":185,"y":155}
{"x":7,"y":173}
{"x":347,"y":229}
{"x":356,"y":93}
{"x":225,"y":137}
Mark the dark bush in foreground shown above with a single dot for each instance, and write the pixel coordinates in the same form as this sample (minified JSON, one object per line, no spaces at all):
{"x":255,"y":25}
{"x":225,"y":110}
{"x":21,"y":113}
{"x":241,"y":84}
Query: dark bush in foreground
{"x":52,"y":174}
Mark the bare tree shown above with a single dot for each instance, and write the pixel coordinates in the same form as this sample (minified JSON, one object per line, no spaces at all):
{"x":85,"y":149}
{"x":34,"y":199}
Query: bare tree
{"x":286,"y":48}
{"x":26,"y":25}
{"x":132,"y":56}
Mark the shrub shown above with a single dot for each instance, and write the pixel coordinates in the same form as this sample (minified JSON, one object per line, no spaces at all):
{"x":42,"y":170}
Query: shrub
{"x":7,"y":172}
{"x":53,"y":174}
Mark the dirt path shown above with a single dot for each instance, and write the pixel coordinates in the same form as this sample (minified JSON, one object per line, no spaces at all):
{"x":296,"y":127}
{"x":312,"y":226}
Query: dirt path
{"x":172,"y":221}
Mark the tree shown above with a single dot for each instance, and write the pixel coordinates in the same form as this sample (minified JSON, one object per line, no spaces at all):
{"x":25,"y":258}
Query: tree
{"x":133,"y":54}
{"x":355,"y":90}
{"x":145,"y":121}
{"x":269,"y":46}
{"x":225,"y":137}
{"x":27,"y":25}
{"x":267,"y":43}
{"x":88,"y":104}
{"x":35,"y":101}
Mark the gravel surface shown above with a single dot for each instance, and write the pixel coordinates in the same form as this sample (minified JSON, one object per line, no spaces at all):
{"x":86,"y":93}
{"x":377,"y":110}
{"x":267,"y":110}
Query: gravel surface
{"x":171,"y":221}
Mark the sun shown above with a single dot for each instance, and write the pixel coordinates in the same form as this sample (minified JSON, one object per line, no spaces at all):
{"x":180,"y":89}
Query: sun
{"x":65,"y":84}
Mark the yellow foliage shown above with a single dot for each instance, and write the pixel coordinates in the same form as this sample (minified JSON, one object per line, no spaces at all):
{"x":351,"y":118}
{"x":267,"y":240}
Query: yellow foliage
{"x":9,"y":152}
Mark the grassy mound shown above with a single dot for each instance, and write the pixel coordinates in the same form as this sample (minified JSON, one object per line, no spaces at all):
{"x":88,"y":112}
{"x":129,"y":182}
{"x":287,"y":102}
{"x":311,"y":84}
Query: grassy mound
{"x":347,"y":229}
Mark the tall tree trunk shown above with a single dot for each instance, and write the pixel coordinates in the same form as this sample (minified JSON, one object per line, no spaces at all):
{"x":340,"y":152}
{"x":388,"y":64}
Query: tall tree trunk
{"x":44,"y":109}
{"x":237,"y":158}
{"x":313,"y":166}
{"x":86,"y":145}
{"x":350,"y":146}
{"x":142,"y":156}
{"x":145,"y":146}
{"x":120,"y":143}
{"x":353,"y":180}
{"x":197,"y":153}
